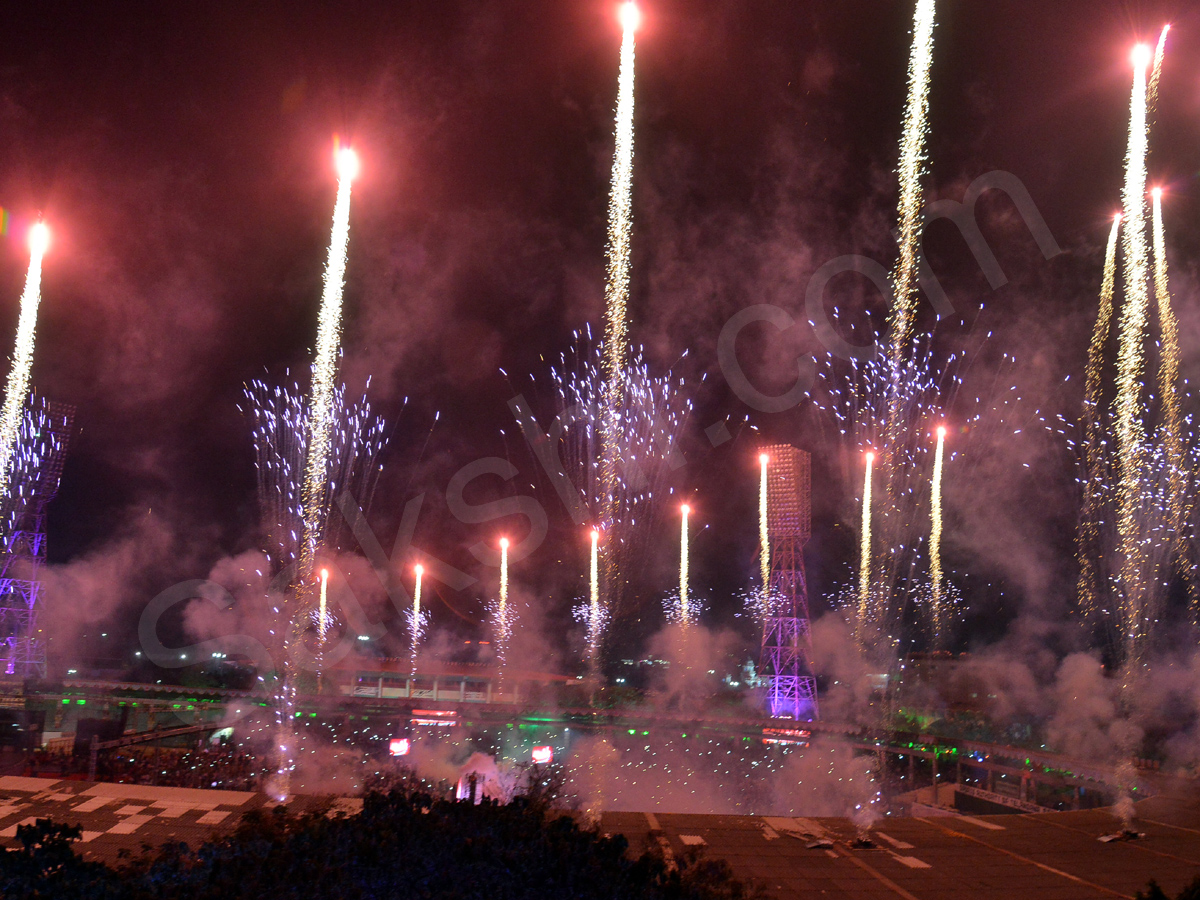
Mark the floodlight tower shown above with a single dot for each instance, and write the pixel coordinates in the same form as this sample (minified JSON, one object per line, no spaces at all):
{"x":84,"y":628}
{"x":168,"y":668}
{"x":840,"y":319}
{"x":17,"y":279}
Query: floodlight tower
{"x":786,"y":637}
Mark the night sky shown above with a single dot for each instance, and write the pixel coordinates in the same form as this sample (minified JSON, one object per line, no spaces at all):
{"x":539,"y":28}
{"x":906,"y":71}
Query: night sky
{"x":182,"y":156}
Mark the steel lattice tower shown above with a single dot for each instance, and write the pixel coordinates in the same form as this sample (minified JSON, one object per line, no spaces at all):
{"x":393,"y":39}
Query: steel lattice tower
{"x":786,"y":639}
{"x":22,"y":649}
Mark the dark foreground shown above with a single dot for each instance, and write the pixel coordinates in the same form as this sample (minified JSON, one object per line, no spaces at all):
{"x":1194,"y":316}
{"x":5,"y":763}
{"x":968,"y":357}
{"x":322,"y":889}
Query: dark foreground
{"x":240,"y":845}
{"x":400,"y":845}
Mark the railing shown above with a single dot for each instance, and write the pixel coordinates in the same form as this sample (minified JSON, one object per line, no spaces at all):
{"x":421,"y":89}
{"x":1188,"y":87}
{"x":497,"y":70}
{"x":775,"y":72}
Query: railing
{"x":999,"y":799}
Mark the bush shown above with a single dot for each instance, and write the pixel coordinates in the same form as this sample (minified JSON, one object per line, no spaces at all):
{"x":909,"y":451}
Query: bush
{"x":401,"y":845}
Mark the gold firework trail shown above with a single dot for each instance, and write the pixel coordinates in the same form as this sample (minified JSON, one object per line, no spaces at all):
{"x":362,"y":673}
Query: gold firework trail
{"x":1130,"y":364}
{"x":1168,"y":382}
{"x":912,"y":159}
{"x":1156,"y":72}
{"x":935,"y":543}
{"x":1094,"y":474}
{"x":902,"y":315}
{"x":616,"y":289}
{"x":314,"y":495}
{"x":16,"y":389}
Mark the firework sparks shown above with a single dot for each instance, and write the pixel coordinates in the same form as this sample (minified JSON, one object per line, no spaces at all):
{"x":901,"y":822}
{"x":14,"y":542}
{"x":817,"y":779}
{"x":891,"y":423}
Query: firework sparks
{"x":280,"y":419}
{"x":912,"y":158}
{"x":683,"y":566}
{"x":1093,"y":476}
{"x":616,"y":290}
{"x":935,"y":542}
{"x":1130,"y":362}
{"x":864,"y":555}
{"x":16,"y":389}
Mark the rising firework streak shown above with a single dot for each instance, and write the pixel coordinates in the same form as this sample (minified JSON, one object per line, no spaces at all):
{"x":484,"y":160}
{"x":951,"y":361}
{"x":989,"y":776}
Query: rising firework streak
{"x":683,"y":567}
{"x":16,"y":390}
{"x":503,"y":622}
{"x":912,"y":158}
{"x":864,"y":556}
{"x":415,"y":628}
{"x":322,"y":616}
{"x":315,"y":495}
{"x":616,"y":291}
{"x":937,"y":601}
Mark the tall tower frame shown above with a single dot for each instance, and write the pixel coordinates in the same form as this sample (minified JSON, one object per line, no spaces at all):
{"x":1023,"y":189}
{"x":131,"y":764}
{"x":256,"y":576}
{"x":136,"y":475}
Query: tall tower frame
{"x":785,"y":658}
{"x":23,"y":550}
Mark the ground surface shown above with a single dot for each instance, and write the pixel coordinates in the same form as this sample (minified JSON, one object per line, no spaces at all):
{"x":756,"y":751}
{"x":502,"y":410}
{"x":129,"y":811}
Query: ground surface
{"x":1051,"y":856}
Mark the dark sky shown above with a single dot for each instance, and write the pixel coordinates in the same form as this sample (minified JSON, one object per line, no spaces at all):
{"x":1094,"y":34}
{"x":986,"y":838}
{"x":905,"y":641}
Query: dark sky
{"x":182,"y":156}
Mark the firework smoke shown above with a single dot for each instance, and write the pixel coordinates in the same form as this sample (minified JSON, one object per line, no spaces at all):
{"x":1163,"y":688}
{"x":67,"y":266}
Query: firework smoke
{"x":16,"y":389}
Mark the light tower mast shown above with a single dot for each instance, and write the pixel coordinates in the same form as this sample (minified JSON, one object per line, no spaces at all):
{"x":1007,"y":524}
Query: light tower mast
{"x":785,"y":660}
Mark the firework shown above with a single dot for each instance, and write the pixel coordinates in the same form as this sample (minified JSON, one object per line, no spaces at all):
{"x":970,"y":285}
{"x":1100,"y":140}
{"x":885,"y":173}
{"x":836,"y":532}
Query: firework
{"x":683,"y":566}
{"x":280,"y":418}
{"x":764,"y":539}
{"x":16,"y":389}
{"x":417,"y":618}
{"x":315,"y":493}
{"x":501,"y":612}
{"x":654,"y":411}
{"x":864,"y":554}
{"x":322,"y":618}
{"x":935,"y":542}
{"x":1160,"y":52}
{"x":1168,"y":373}
{"x":594,"y":633}
{"x":912,"y":158}
{"x":616,"y":291}
{"x":1094,"y":480}
{"x":1129,"y":430}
